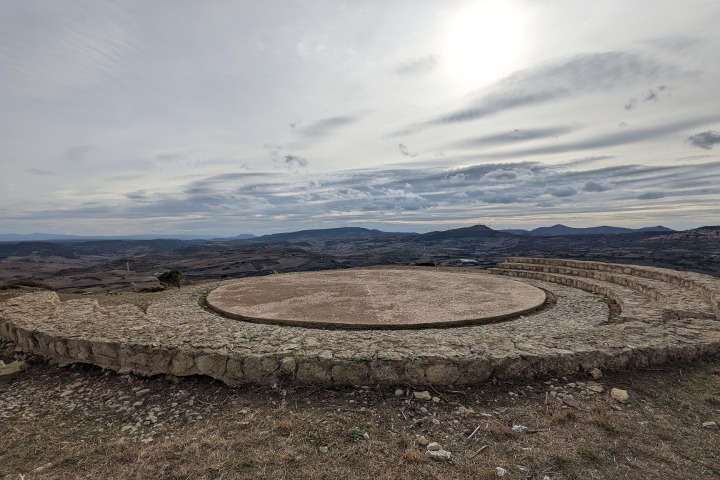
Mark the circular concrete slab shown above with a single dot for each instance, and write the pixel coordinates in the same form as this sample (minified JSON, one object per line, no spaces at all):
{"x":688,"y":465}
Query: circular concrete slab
{"x":377,"y":298}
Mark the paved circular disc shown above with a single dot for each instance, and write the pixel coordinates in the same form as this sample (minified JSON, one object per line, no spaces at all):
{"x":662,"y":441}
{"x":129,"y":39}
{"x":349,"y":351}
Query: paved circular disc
{"x":376,"y":298}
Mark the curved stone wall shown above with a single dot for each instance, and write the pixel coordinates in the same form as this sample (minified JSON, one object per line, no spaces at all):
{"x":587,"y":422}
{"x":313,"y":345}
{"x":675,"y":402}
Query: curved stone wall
{"x":177,"y":336}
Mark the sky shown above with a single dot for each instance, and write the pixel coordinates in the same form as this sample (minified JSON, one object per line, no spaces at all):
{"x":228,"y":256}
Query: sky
{"x":228,"y":117}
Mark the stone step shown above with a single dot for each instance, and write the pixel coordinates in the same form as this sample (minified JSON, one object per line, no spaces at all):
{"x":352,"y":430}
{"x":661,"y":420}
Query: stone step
{"x":634,"y":306}
{"x":708,"y":287}
{"x":678,"y":301}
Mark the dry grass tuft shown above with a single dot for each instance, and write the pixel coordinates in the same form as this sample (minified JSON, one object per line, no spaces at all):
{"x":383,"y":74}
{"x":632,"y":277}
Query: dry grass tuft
{"x":564,"y":415}
{"x":498,"y":430}
{"x":284,"y":425}
{"x":486,"y":474}
{"x":606,"y":422}
{"x":415,"y":456}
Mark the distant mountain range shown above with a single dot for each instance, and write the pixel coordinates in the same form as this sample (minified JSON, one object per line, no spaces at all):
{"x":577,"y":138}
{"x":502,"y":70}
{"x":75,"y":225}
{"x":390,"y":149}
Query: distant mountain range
{"x":475,"y":231}
{"x":328,"y":234}
{"x":350,"y":233}
{"x":45,"y":237}
{"x":602,"y":230}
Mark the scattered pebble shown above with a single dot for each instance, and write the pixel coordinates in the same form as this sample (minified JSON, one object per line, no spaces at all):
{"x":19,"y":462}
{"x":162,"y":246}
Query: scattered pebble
{"x":422,"y":440}
{"x":323,"y":449}
{"x":711,"y":425}
{"x":424,"y":395}
{"x":434,"y":446}
{"x":399,"y":392}
{"x":619,"y":395}
{"x":440,"y":455}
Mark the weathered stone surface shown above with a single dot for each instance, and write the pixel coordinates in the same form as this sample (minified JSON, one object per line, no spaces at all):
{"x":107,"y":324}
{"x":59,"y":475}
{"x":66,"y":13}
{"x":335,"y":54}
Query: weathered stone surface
{"x":10,"y":371}
{"x":176,"y":336}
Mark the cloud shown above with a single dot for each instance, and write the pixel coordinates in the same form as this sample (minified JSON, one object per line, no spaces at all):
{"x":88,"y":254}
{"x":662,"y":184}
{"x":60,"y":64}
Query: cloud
{"x":40,"y":172}
{"x":325,"y":126}
{"x":593,"y":186}
{"x":651,"y":196}
{"x":404,"y":150}
{"x":417,"y":66}
{"x":650,"y":95}
{"x":563,"y":191}
{"x":294,"y":161}
{"x":493,"y":190}
{"x":624,"y":137}
{"x":78,"y":153}
{"x":514,"y":136}
{"x":705,"y":140}
{"x":557,"y":79}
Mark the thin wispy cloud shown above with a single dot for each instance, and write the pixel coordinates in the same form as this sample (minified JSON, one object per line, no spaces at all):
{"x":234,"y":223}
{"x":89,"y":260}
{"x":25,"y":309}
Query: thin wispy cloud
{"x":326,"y":126}
{"x":417,"y":66}
{"x":558,"y":79}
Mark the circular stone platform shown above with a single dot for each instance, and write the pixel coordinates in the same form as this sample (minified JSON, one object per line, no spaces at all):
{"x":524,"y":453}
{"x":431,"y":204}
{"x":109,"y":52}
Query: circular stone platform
{"x":377,"y":298}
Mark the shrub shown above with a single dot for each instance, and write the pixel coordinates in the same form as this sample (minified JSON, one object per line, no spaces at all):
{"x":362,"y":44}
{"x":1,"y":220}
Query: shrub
{"x":171,"y":277}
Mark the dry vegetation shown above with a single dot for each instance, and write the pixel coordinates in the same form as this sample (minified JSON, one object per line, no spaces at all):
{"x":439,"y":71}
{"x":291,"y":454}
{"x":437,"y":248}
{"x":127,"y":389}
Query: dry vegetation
{"x":206,"y":430}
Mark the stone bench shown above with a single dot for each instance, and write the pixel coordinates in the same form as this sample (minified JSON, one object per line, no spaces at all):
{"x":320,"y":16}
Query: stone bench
{"x":708,"y":287}
{"x":675,"y":301}
{"x":633,"y":305}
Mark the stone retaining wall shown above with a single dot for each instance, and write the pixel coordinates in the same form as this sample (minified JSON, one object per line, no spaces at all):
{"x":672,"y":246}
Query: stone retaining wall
{"x":177,"y":336}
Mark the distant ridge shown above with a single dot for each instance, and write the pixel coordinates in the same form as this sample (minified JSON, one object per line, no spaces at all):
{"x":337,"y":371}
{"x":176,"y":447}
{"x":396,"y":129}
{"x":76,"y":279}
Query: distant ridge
{"x":559,"y":229}
{"x":328,"y":234}
{"x":49,"y":237}
{"x":476,"y":231}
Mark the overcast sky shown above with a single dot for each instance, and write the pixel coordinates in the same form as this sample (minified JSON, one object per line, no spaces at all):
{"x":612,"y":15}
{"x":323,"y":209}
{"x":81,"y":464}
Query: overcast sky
{"x":227,"y":117}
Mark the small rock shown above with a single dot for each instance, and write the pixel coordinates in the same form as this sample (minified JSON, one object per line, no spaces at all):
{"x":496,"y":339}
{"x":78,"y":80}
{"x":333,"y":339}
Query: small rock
{"x":138,"y":403}
{"x":434,"y":447}
{"x":436,"y":399}
{"x":500,"y":471}
{"x":568,"y":400}
{"x":440,"y":455}
{"x":11,"y":370}
{"x":519,"y":428}
{"x":594,"y":387}
{"x":596,"y":373}
{"x":323,"y":449}
{"x":422,"y":440}
{"x":619,"y":395}
{"x":424,"y":395}
{"x":435,"y":421}
{"x":711,"y":425}
{"x":571,"y":385}
{"x":399,"y":392}
{"x":424,"y":410}
{"x":143,"y":392}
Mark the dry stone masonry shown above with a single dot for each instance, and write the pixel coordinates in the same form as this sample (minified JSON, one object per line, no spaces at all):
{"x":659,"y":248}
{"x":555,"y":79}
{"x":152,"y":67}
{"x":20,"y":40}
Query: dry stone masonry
{"x":666,"y":316}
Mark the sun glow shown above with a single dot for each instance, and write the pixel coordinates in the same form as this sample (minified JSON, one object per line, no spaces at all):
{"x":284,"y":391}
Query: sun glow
{"x":483,"y":41}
